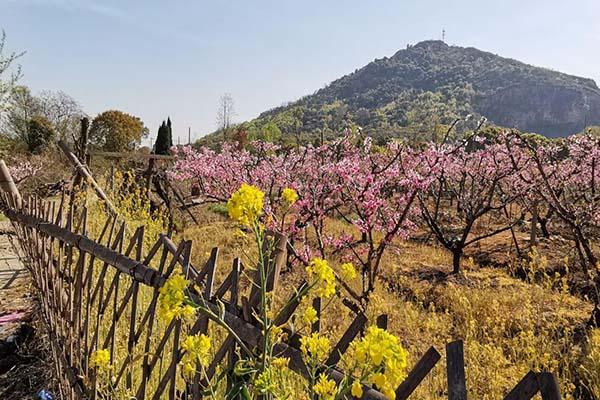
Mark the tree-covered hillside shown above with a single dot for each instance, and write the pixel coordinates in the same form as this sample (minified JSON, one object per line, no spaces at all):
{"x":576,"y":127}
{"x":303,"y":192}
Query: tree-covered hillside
{"x":430,"y":84}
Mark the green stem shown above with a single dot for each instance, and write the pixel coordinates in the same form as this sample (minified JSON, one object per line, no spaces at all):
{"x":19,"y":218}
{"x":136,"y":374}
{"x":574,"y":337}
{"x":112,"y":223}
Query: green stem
{"x":210,"y":387}
{"x":263,"y":293}
{"x":214,"y":317}
{"x":297,"y":296}
{"x":345,"y":389}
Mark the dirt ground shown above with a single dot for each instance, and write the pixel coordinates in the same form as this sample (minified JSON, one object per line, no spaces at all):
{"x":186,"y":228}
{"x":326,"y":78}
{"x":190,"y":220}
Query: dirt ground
{"x":24,"y":360}
{"x":14,"y":281}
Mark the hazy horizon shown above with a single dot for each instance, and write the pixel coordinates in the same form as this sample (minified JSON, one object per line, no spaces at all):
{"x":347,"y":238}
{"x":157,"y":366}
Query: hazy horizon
{"x":154,"y":60}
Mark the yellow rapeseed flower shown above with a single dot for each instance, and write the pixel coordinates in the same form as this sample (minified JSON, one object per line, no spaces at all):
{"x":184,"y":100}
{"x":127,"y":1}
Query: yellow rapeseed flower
{"x":265,"y":382}
{"x":100,"y":359}
{"x":379,"y":380}
{"x":197,"y":351}
{"x":381,"y":352}
{"x":171,"y":300}
{"x":246,"y":204}
{"x":310,"y":316}
{"x":280,"y":362}
{"x":325,"y":387}
{"x":289,"y":196}
{"x":315,"y":347}
{"x":188,"y":370}
{"x":320,"y":270}
{"x":356,"y":390}
{"x":348,"y":271}
{"x":389,"y":393}
{"x":277,"y":334}
{"x":197,"y":348}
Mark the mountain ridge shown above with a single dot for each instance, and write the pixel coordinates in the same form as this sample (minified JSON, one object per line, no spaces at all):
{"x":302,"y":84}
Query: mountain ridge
{"x":431,"y":83}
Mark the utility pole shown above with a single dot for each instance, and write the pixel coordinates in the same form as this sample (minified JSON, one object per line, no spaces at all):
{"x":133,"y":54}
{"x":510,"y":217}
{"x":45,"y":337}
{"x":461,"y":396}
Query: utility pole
{"x":444,"y":35}
{"x":189,"y":135}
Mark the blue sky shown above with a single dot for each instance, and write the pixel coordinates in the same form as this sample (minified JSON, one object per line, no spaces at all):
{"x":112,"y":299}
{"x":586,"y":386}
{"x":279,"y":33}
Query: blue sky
{"x":153,"y":58}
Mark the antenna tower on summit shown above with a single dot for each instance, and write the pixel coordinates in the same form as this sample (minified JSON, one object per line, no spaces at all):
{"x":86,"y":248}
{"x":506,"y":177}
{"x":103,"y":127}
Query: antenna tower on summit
{"x":443,"y":35}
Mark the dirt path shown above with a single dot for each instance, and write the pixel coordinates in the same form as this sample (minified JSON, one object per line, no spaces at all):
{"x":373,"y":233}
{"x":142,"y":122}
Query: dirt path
{"x":24,"y":359}
{"x":15,"y":290}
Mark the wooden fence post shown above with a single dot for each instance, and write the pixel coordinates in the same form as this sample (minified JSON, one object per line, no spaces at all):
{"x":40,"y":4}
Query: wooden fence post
{"x":274,"y":263}
{"x":233,"y":303}
{"x":525,"y":389}
{"x":316,"y":304}
{"x":83,"y":141}
{"x":417,"y":374}
{"x":455,"y":364}
{"x":548,"y":386}
{"x":278,"y":257}
{"x":8,"y":185}
{"x":382,"y":321}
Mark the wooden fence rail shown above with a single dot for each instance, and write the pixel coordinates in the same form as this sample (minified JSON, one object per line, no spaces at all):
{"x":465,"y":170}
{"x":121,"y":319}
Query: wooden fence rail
{"x":102,"y":293}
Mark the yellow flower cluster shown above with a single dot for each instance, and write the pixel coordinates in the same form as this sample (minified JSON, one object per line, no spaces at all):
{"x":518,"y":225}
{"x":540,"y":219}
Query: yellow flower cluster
{"x":356,"y":389}
{"x":315,"y":347}
{"x":280,"y":362}
{"x":348,"y":271}
{"x":289,"y":196}
{"x":383,"y":354}
{"x":325,"y":388}
{"x":197,"y":350}
{"x":273,"y":380}
{"x":310,"y":316}
{"x":265,"y":382}
{"x":277,"y":334}
{"x":246,"y":204}
{"x":320,"y":270}
{"x":171,"y":301}
{"x":100,"y":359}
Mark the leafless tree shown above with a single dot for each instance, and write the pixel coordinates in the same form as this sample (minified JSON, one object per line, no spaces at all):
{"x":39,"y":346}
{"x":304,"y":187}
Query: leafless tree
{"x":63,"y":111}
{"x":225,"y":112}
{"x":8,"y":75}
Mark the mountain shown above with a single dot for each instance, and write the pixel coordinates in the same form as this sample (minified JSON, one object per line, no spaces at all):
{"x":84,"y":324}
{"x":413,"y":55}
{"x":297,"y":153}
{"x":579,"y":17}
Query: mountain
{"x":430,"y":84}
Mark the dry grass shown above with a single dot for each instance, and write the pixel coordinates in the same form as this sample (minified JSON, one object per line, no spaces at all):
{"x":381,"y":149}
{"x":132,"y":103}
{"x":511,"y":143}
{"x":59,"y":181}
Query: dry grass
{"x":509,"y":325}
{"x":590,"y":367}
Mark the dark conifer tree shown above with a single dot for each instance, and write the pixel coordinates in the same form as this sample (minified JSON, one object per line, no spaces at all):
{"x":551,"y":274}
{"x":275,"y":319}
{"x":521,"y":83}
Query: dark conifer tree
{"x":170,"y":131}
{"x":163,"y":140}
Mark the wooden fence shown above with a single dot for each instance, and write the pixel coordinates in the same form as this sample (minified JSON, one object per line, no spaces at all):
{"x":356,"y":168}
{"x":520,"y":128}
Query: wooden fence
{"x":102,"y":293}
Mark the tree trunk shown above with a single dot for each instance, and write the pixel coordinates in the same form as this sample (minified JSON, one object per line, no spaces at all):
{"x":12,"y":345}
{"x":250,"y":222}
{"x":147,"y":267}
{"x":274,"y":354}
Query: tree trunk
{"x":582,"y":258}
{"x":585,"y":244}
{"x":544,"y":226}
{"x":544,"y":222}
{"x":534,"y":222}
{"x":456,"y":256}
